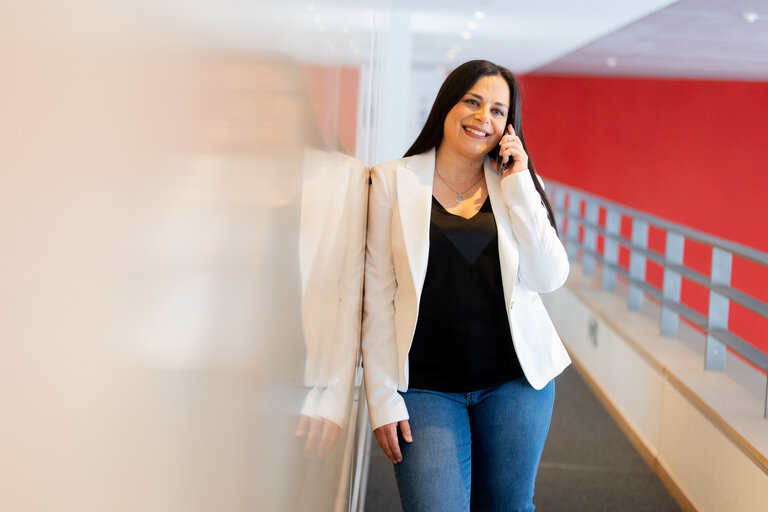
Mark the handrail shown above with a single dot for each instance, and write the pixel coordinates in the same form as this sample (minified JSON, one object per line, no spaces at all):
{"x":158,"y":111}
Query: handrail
{"x":737,"y":296}
{"x":721,"y":293}
{"x":741,"y":250}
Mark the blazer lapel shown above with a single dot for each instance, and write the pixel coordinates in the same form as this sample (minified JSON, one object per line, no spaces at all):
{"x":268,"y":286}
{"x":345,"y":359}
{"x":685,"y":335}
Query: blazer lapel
{"x":414,"y":196}
{"x":509,"y":256}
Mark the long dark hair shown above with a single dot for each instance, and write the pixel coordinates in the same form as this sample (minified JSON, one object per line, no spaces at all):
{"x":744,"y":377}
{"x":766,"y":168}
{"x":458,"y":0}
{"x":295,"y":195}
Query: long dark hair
{"x":453,"y":89}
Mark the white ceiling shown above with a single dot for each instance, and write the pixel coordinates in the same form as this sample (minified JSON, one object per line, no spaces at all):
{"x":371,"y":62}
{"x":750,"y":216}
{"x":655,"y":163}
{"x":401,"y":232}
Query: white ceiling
{"x":520,"y":34}
{"x":714,"y":39}
{"x":717,"y":39}
{"x":690,"y":39}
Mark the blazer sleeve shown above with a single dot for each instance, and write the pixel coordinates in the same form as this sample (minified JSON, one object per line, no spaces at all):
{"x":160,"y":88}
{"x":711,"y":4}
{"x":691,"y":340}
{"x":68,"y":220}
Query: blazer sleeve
{"x":379,"y":345}
{"x":544,"y":263}
{"x":343,"y":352}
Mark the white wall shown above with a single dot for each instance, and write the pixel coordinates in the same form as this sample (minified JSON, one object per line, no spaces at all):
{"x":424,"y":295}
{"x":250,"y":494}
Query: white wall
{"x":702,"y":428}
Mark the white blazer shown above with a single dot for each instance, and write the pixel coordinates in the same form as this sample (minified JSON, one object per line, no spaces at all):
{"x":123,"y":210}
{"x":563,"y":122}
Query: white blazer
{"x":331,"y":255}
{"x":532,"y":259}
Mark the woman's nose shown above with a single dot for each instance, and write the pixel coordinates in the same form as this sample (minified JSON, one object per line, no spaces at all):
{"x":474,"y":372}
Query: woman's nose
{"x":483,"y":114}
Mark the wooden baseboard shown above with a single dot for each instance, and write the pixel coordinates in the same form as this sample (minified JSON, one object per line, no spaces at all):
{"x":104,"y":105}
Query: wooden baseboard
{"x":717,"y":421}
{"x":637,"y":443}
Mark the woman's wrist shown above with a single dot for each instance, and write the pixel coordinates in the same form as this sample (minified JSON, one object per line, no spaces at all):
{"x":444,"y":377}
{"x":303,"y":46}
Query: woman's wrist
{"x":509,"y":172}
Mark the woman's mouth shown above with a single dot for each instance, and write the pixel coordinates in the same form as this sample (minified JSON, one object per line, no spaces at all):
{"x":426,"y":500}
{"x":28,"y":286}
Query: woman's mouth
{"x":475,"y":133}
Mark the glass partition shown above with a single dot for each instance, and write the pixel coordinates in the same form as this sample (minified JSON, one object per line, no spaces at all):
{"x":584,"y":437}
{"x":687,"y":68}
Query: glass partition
{"x":183,"y":226}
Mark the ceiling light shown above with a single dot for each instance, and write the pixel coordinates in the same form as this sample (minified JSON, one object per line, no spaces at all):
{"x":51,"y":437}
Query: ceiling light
{"x":452,"y":52}
{"x":465,"y":34}
{"x":310,"y":7}
{"x":751,"y":16}
{"x":610,"y":62}
{"x":472,"y":25}
{"x":480,"y":15}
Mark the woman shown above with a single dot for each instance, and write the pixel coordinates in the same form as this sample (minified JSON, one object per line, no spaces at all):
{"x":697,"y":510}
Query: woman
{"x":458,"y":351}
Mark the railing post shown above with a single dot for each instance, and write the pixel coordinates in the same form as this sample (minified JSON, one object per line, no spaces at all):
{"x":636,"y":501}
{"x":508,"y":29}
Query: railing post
{"x":765,"y":409}
{"x":572,"y":235}
{"x":560,"y":209}
{"x":672,"y":283}
{"x":567,"y":204}
{"x":718,"y":308}
{"x":637,"y":263}
{"x":611,"y":248}
{"x":590,"y":238}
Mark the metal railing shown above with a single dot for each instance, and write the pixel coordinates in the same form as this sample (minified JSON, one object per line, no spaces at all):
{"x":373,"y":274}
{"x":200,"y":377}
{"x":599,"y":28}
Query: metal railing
{"x":569,"y":203}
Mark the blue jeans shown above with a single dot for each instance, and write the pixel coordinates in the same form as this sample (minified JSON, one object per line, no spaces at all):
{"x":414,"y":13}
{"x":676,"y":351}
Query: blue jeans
{"x":476,"y":451}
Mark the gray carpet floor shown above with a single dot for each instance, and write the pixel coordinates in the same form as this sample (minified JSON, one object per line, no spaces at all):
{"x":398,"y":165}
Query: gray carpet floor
{"x":588,"y":465}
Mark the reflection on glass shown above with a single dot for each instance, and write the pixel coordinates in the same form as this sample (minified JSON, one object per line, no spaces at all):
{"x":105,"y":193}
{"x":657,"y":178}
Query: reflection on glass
{"x":182,"y":270}
{"x":273,"y":248}
{"x":332,"y":250}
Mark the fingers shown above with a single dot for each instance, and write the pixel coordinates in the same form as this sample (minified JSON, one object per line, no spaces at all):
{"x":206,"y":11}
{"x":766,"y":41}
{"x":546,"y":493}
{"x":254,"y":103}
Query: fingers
{"x":330,"y":435}
{"x":511,"y":141}
{"x":383,"y":440}
{"x":511,"y":149}
{"x":313,"y":437}
{"x":394,"y":444}
{"x":405,"y":429}
{"x":386,"y":436}
{"x":513,"y":153}
{"x":509,"y":134}
{"x":322,"y":435}
{"x":303,"y":425}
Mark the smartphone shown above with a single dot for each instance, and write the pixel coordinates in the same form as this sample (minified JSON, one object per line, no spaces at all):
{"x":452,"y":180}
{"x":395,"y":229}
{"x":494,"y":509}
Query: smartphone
{"x":494,"y":153}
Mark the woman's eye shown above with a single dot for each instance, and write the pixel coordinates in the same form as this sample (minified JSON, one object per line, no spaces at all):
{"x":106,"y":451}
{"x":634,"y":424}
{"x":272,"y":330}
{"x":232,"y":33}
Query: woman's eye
{"x":498,"y":112}
{"x":471,"y":101}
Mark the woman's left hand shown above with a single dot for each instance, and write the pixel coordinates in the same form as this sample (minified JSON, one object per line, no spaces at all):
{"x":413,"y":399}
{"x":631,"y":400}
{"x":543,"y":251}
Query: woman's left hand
{"x":321,"y":433}
{"x":511,"y":147}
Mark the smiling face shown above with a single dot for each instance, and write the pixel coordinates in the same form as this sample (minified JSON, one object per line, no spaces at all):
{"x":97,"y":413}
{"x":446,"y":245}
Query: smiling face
{"x":474,"y":126}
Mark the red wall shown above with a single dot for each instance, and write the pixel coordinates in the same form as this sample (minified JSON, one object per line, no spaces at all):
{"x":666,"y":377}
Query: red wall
{"x":694,"y":152}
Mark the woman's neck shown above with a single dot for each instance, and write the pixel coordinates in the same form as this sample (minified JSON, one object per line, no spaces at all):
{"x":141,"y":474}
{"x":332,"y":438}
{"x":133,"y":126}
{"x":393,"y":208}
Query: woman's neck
{"x":457,"y":168}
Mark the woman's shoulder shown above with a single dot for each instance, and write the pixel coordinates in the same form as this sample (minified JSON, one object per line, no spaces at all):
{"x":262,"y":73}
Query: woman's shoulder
{"x":391,"y":165}
{"x":413,"y":162}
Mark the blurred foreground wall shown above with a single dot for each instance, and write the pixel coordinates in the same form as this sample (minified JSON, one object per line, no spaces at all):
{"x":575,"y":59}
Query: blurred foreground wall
{"x":181,"y":225}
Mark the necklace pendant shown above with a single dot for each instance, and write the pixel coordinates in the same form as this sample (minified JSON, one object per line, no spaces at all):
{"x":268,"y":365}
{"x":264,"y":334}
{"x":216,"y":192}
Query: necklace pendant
{"x":459,"y":198}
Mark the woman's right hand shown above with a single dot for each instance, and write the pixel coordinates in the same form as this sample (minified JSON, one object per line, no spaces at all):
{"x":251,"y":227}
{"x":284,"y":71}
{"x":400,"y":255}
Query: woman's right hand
{"x":386,"y":435}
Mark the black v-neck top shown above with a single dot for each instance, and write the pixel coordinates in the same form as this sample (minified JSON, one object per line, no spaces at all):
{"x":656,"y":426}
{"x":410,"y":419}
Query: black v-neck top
{"x":462,"y":341}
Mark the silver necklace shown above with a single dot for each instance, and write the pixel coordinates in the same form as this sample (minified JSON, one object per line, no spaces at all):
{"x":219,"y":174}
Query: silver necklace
{"x":459,"y":195}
